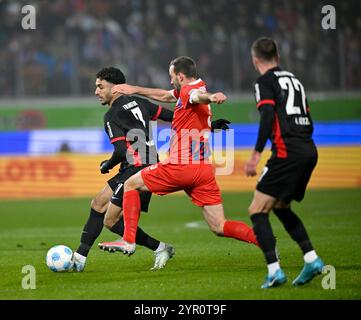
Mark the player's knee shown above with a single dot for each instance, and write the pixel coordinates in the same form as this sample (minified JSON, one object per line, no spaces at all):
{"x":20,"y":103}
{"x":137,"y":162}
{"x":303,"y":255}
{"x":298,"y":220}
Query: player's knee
{"x":98,"y":205}
{"x":259,"y":207}
{"x":109,"y":222}
{"x":130,"y":184}
{"x":281,"y":206}
{"x":252,"y":209}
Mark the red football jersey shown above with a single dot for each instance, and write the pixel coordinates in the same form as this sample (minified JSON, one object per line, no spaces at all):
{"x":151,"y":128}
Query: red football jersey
{"x":191,"y":126}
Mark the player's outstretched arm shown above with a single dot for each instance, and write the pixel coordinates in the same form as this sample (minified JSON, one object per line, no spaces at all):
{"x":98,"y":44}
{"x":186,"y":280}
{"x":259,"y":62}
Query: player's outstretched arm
{"x":152,"y":93}
{"x":199,"y":97}
{"x":264,"y":132}
{"x":166,"y":115}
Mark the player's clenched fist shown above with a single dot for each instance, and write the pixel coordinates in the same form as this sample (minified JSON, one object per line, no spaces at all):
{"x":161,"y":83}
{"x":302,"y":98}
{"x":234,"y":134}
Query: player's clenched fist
{"x":104,"y":167}
{"x":250,"y":168}
{"x":251,"y":164}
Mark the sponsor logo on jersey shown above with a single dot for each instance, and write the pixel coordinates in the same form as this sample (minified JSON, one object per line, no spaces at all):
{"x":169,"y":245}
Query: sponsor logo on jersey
{"x":257,"y":93}
{"x":110,"y":132}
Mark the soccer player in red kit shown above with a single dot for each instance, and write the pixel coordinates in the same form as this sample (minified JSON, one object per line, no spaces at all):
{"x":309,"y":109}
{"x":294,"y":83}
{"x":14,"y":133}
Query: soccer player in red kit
{"x":187,"y":167}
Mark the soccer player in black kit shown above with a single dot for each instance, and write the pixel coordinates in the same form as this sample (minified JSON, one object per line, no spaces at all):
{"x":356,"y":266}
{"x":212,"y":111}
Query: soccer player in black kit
{"x":126,"y":117}
{"x":127,"y":124}
{"x":286,"y":121}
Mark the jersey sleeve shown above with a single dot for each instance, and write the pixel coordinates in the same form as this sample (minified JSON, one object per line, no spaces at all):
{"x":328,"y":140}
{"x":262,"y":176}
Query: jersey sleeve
{"x":265,"y":126}
{"x":154,"y":110}
{"x":113,"y":130}
{"x":188,"y":93}
{"x":166,"y":115}
{"x":264,"y":93}
{"x":174,"y":93}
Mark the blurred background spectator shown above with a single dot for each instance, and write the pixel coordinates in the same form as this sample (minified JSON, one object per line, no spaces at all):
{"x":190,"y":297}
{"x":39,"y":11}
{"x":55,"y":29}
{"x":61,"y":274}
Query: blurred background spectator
{"x":73,"y":39}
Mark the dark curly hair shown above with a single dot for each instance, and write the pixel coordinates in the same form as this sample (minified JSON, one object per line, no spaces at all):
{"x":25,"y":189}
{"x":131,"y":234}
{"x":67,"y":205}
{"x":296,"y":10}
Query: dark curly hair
{"x":112,"y":75}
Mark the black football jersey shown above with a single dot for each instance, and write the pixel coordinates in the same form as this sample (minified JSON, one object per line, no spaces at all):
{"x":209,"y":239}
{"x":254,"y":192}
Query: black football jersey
{"x":292,"y":127}
{"x":128,"y":119}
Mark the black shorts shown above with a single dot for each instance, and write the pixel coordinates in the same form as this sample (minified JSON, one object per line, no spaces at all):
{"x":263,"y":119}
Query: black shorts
{"x":287,"y":179}
{"x":117,"y":182}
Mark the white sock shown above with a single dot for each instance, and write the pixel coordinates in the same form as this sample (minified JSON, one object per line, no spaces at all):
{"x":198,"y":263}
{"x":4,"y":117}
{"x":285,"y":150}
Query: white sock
{"x":273,"y":267}
{"x":310,"y":256}
{"x":79,"y":257}
{"x":160,"y":247}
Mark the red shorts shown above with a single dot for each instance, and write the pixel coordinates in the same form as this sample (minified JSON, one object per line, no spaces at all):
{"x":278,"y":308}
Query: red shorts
{"x":197,"y":180}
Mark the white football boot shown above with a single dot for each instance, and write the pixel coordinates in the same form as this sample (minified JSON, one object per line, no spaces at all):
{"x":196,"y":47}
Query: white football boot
{"x":161,"y":257}
{"x":78,"y":262}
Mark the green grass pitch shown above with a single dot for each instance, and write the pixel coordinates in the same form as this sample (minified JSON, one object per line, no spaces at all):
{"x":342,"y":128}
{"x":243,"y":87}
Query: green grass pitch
{"x":204,"y":267}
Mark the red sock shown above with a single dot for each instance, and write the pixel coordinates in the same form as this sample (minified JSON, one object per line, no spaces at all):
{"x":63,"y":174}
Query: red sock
{"x":239,"y":230}
{"x":131,"y":212}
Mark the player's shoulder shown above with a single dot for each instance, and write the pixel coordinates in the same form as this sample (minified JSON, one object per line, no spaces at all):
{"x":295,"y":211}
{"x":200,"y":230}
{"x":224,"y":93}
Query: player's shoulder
{"x":274,"y":74}
{"x":130,"y":102}
{"x":124,"y":102}
{"x":283,"y":73}
{"x":198,"y":84}
{"x":119,"y":106}
{"x":141,"y":101}
{"x":268,"y":77}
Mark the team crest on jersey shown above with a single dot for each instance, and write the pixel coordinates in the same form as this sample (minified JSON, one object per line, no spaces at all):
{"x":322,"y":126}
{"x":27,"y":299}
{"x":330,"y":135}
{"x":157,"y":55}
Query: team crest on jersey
{"x":179,"y":103}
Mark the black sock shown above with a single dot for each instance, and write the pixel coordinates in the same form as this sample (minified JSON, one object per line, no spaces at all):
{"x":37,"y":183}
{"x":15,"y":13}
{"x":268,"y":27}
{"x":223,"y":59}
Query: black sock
{"x":295,"y":228}
{"x":142,"y":238}
{"x":91,"y":231}
{"x":263,"y":230}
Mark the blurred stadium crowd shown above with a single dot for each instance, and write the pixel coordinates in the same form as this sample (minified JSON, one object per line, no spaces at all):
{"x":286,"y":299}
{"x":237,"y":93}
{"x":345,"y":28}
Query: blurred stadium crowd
{"x":74,"y":38}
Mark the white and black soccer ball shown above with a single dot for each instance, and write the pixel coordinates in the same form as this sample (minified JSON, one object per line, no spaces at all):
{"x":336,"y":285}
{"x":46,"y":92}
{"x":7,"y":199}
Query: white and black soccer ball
{"x":59,"y":258}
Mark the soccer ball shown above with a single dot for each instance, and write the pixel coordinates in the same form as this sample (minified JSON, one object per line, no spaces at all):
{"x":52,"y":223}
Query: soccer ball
{"x":58,"y":259}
